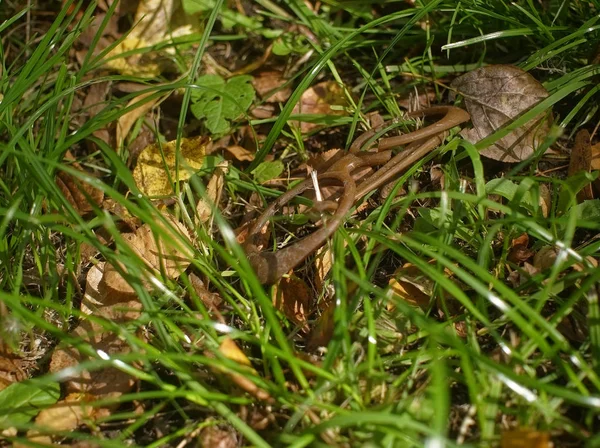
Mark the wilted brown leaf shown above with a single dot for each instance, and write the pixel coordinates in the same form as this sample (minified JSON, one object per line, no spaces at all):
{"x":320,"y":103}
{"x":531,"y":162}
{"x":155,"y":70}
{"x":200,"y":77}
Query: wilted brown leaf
{"x":270,"y":86}
{"x":581,"y":160}
{"x":155,"y":169}
{"x":230,"y":350}
{"x":412,"y":286}
{"x":240,"y":153}
{"x":318,"y":100}
{"x":11,"y":369}
{"x":204,"y":209}
{"x":545,"y":257}
{"x":163,"y":252}
{"x":519,"y":252}
{"x":81,"y":195}
{"x":293,"y":297}
{"x":525,"y":438}
{"x":66,"y":415}
{"x":494,"y":96}
{"x":126,"y":121}
{"x":214,"y":437}
{"x":322,"y":332}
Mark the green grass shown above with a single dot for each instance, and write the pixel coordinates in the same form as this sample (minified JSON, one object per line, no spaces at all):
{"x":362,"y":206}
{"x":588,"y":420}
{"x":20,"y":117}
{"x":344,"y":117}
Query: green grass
{"x":390,"y":376}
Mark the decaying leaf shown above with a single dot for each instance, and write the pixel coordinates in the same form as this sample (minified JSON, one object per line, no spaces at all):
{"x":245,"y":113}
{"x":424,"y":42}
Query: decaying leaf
{"x":318,"y":100}
{"x":496,"y":95}
{"x":204,"y":209}
{"x":293,"y":297}
{"x":83,"y":196}
{"x":152,"y":21}
{"x":65,"y":415}
{"x":519,"y":252}
{"x":162,"y":252}
{"x":581,"y":160}
{"x":412,"y":286}
{"x":270,"y":86}
{"x":230,"y":350}
{"x":240,"y":153}
{"x":545,"y":257}
{"x":525,"y":438}
{"x":155,"y":171}
{"x":322,"y":332}
{"x":127,"y":120}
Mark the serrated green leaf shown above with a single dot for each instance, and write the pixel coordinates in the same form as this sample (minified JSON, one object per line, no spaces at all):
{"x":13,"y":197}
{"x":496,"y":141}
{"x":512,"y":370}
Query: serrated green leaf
{"x":219,"y":102}
{"x":20,"y":402}
{"x":267,"y":171}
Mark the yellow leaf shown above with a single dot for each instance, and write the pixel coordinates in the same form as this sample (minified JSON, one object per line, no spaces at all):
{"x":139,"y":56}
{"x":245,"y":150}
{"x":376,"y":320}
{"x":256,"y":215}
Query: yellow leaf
{"x":230,"y":350}
{"x":155,"y":167}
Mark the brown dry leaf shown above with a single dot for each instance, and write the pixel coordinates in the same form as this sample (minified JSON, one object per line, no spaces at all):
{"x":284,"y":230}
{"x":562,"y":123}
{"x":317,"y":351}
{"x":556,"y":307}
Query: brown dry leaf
{"x":127,"y":120}
{"x":211,"y":300}
{"x":240,"y":153}
{"x":494,"y":96}
{"x":270,"y":86}
{"x":318,"y":100}
{"x":293,"y":297}
{"x":519,"y":252}
{"x":545,"y":200}
{"x":595,"y":163}
{"x":581,"y":160}
{"x":525,"y":438}
{"x":323,"y":264}
{"x":81,"y":195}
{"x":152,"y":21}
{"x":230,"y":350}
{"x":545,"y":257}
{"x":412,"y":286}
{"x":204,"y":209}
{"x":11,"y":369}
{"x":214,"y":437}
{"x":155,"y":169}
{"x":163,"y":252}
{"x":323,"y":329}
{"x":66,"y":415}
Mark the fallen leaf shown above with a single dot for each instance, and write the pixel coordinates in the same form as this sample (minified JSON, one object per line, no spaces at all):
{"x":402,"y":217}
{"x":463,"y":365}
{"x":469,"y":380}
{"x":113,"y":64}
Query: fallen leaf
{"x":214,"y":437}
{"x":496,"y":95}
{"x":581,"y":160}
{"x":322,"y":332}
{"x":152,"y":27}
{"x":519,"y":252}
{"x":270,"y":86}
{"x":525,"y":438}
{"x":545,"y":258}
{"x":293,"y":297}
{"x":318,"y":100}
{"x":155,"y":172}
{"x":545,"y":200}
{"x":412,"y":286}
{"x":240,"y":153}
{"x":163,"y":252}
{"x":230,"y":350}
{"x":83,"y":196}
{"x":127,"y":120}
{"x":65,"y":415}
{"x":211,"y":300}
{"x":204,"y":209}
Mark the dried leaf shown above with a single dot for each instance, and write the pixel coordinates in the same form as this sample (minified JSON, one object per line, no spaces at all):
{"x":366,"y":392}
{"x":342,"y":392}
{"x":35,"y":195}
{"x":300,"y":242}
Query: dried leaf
{"x":293,"y":297}
{"x":545,"y":200}
{"x":214,"y":437}
{"x":230,"y":350}
{"x":155,"y":169}
{"x":65,"y":415}
{"x":323,"y":329}
{"x":81,"y":195}
{"x":545,"y":257}
{"x":525,"y":438}
{"x":163,"y":252}
{"x":127,"y":120}
{"x":240,"y":153}
{"x":318,"y":100}
{"x":494,"y":96}
{"x":581,"y":160}
{"x":270,"y":86}
{"x":204,"y":209}
{"x":412,"y":286}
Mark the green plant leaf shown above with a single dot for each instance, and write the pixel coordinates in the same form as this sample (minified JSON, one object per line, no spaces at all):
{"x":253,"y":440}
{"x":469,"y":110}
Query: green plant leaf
{"x":20,"y":402}
{"x":219,"y":102}
{"x":509,"y":190}
{"x":267,"y":171}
